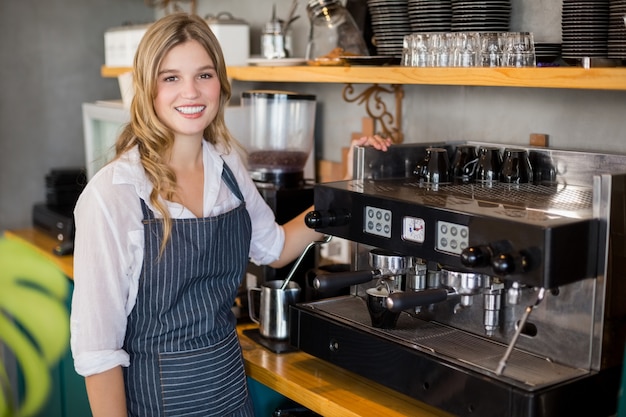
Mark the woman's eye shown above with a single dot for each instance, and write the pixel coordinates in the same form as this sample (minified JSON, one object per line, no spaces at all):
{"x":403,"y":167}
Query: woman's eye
{"x":170,"y":78}
{"x":206,"y":75}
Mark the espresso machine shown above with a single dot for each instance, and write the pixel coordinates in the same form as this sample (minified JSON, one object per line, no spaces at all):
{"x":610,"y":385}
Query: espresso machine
{"x":490,"y":298}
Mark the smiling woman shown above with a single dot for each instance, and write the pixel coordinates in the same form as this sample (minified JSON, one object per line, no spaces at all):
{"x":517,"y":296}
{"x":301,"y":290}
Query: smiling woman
{"x":169,"y":225}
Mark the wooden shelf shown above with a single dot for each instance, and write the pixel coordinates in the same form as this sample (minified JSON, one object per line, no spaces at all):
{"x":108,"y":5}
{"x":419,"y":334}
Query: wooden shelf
{"x":552,"y":77}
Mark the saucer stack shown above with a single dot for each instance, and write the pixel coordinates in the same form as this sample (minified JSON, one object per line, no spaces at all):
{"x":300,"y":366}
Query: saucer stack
{"x":547,"y":52}
{"x":390,"y":23}
{"x":481,"y":15}
{"x":430,"y":16}
{"x":584,"y":28}
{"x":617,"y":30}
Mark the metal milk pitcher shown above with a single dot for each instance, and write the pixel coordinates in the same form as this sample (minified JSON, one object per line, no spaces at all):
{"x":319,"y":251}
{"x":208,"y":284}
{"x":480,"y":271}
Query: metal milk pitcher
{"x":273,"y":318}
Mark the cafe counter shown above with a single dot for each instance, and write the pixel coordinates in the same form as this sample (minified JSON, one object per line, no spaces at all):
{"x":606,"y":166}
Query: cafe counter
{"x":315,"y":384}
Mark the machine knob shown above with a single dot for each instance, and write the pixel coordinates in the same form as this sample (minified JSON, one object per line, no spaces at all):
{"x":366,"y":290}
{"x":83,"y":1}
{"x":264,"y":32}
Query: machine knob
{"x":476,"y":256}
{"x":326,"y":218}
{"x":503,"y":264}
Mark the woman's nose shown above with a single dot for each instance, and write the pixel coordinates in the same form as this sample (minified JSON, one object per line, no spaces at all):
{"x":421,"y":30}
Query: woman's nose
{"x":190,"y":89}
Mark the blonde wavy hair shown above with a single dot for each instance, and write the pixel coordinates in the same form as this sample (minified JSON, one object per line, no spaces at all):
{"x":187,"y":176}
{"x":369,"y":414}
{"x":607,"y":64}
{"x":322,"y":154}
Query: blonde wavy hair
{"x":145,"y":130}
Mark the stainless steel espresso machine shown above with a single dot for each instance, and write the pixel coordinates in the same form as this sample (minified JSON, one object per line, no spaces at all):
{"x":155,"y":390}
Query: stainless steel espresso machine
{"x":481,"y":298}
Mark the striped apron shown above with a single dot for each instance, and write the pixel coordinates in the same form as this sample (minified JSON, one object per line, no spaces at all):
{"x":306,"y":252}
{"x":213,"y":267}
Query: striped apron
{"x":185,"y":357}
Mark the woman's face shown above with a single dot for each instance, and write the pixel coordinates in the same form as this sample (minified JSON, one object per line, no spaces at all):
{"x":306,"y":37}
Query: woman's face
{"x":188,"y":90}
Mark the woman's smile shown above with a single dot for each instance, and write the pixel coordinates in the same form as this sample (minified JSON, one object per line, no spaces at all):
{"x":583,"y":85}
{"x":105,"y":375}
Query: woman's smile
{"x":190,"y":110}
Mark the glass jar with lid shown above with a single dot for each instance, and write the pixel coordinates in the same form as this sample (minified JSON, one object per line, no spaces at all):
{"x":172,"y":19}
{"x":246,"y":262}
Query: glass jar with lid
{"x":333,"y":31}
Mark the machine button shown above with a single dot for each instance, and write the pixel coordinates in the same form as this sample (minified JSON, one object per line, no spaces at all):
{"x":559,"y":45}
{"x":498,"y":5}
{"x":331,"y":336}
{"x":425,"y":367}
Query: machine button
{"x":333,"y":346}
{"x":377,"y":221}
{"x":452,"y":237}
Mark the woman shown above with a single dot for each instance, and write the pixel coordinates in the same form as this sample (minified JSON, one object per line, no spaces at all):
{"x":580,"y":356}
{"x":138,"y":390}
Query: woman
{"x":163,"y":236}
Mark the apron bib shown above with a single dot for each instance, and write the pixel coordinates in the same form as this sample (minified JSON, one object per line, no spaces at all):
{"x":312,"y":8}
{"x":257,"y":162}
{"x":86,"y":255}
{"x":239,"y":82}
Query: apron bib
{"x":185,"y":357}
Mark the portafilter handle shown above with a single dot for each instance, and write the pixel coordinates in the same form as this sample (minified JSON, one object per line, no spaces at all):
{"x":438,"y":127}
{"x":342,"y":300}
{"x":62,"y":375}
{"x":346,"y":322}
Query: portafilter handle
{"x":403,"y":300}
{"x":338,"y":280}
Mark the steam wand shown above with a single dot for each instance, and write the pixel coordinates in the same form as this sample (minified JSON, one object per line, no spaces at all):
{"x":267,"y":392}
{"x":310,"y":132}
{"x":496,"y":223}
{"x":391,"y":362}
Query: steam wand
{"x":518,"y":331}
{"x":326,"y":239}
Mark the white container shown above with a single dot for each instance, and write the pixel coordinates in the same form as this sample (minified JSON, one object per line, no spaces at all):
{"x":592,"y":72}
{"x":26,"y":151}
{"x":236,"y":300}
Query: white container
{"x":234,"y":37}
{"x":120,"y":45}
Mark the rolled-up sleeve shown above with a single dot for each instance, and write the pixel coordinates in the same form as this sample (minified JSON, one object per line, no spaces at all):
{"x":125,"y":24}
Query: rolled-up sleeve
{"x":107,"y":244}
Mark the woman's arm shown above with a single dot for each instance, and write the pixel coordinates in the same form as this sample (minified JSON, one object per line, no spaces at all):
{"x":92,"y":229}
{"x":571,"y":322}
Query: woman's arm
{"x":106,"y":393}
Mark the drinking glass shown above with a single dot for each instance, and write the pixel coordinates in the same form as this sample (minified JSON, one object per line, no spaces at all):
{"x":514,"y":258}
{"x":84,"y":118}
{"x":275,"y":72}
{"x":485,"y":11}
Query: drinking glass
{"x":490,"y":50}
{"x":419,"y":48}
{"x":439,"y":49}
{"x":518,"y":49}
{"x":466,"y":47}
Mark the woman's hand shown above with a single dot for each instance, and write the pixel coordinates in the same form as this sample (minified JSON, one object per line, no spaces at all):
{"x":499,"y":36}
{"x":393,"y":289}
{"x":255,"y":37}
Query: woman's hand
{"x":375,"y":141}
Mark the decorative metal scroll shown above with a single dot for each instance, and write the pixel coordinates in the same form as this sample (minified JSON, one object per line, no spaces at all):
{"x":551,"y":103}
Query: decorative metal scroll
{"x":385,"y":123}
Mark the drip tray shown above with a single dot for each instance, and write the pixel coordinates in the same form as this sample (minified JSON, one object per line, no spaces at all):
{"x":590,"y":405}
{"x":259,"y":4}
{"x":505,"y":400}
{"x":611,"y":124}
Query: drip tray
{"x":524,"y":370}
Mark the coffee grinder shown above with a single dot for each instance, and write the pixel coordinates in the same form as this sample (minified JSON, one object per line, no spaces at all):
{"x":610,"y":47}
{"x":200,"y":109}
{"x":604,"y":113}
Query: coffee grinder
{"x":279,"y":143}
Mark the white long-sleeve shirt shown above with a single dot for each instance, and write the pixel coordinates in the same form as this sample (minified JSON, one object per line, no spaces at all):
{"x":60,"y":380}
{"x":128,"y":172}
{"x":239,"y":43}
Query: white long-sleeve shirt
{"x":109,"y":248}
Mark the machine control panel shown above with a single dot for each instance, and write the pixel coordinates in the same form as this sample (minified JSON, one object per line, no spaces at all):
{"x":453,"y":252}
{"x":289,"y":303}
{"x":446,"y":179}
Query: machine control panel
{"x":377,"y":221}
{"x":451,"y":237}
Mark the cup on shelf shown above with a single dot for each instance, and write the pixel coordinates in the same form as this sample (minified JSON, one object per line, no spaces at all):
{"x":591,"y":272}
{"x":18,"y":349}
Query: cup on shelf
{"x":434,"y":169}
{"x":488,"y":165}
{"x":516,"y":168}
{"x":463,"y":164}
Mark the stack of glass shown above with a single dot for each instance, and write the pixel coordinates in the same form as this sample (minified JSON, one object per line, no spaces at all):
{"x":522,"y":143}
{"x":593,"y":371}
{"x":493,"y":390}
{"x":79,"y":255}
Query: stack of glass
{"x":469,"y":49}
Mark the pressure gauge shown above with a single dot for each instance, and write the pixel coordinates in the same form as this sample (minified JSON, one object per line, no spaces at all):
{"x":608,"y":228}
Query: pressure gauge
{"x":413,"y":229}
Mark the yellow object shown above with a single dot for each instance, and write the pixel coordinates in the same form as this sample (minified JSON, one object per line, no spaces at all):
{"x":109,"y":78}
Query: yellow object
{"x":34,"y":322}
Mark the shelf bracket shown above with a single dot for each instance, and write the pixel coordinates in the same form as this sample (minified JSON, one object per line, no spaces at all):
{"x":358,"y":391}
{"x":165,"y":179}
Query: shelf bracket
{"x":376,"y":108}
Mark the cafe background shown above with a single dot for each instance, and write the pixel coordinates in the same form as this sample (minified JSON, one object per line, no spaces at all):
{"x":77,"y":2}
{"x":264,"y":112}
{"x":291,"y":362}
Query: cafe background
{"x":52,"y":53}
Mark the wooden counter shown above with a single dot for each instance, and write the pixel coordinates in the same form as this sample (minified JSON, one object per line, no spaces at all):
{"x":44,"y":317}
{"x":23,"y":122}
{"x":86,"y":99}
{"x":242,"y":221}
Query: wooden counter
{"x":318,"y":385}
